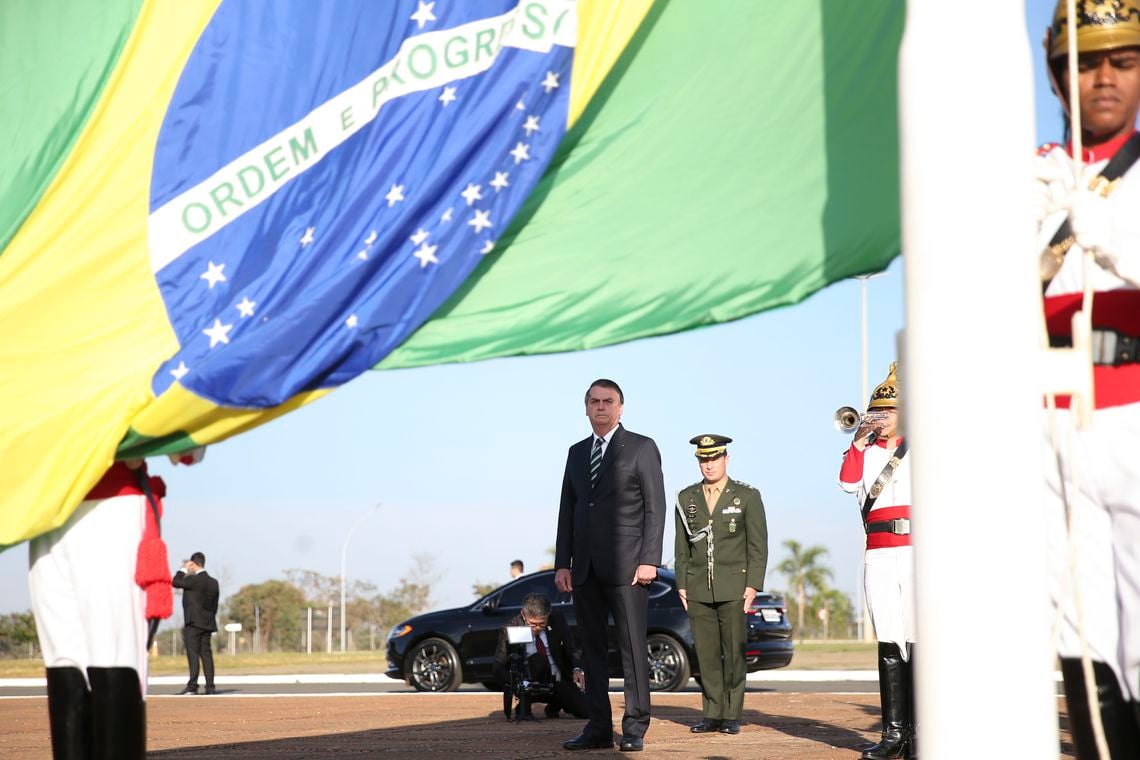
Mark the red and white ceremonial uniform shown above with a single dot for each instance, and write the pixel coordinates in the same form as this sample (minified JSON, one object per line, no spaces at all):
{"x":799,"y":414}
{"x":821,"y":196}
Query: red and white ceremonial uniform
{"x":1104,"y":461}
{"x":888,"y":562}
{"x":89,"y":610}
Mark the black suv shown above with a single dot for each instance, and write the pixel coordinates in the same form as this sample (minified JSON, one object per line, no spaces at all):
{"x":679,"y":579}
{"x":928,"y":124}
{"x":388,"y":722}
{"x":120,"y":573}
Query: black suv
{"x":437,"y":651}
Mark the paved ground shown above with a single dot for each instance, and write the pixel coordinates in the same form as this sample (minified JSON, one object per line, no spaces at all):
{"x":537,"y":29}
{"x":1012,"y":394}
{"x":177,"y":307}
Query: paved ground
{"x":788,"y":726}
{"x":853,"y":681}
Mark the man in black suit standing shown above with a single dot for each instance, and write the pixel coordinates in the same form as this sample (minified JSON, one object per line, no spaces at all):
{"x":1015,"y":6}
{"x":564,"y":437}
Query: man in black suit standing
{"x":199,"y":611}
{"x":551,"y":658}
{"x":610,"y":524}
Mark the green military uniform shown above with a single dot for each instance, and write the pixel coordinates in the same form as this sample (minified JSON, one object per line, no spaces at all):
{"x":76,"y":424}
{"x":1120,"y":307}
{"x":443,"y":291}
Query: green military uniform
{"x":730,"y":552}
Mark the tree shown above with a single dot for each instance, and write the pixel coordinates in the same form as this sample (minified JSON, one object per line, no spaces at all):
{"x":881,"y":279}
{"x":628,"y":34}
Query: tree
{"x":361,"y":616}
{"x":18,"y":634}
{"x":481,"y":589}
{"x":412,"y":595}
{"x":839,"y":612}
{"x":803,"y":571}
{"x":280,"y":604}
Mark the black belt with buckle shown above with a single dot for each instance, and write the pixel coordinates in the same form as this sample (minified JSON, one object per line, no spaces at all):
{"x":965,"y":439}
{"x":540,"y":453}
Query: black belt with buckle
{"x":1110,"y":348}
{"x":899,"y":527}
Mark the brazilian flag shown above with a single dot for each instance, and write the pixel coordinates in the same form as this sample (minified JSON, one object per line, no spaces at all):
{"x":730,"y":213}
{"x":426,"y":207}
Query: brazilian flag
{"x":215,"y":211}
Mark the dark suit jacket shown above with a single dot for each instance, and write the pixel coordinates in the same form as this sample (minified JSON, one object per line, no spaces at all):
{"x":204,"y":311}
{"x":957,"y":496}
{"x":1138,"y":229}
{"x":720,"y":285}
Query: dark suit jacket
{"x":617,"y":525}
{"x":561,"y":647}
{"x":199,"y":599}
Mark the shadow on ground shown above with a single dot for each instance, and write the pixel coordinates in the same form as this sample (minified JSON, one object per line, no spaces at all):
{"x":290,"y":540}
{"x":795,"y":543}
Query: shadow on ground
{"x":493,"y":736}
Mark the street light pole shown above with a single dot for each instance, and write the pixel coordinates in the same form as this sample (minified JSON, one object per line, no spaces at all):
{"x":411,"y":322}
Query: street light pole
{"x":343,"y":559}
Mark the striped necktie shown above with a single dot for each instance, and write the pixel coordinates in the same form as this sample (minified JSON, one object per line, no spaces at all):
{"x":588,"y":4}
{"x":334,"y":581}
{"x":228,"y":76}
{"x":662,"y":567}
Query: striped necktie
{"x":595,"y":462}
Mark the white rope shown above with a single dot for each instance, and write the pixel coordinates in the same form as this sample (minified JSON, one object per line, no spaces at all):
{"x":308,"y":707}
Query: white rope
{"x":1081,"y":416}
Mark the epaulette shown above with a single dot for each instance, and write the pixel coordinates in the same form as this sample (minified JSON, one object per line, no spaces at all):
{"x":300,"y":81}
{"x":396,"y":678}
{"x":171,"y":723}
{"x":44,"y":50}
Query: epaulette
{"x":746,"y":485}
{"x":1044,"y":149}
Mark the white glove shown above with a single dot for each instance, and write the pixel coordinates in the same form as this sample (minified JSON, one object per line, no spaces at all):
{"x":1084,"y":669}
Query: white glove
{"x":1091,"y":219}
{"x":1053,"y":184}
{"x":193,"y":456}
{"x":1093,"y":226}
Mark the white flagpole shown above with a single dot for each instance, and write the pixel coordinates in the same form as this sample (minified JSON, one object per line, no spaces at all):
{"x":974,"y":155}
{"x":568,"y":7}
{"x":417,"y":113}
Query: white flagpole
{"x":971,"y":395}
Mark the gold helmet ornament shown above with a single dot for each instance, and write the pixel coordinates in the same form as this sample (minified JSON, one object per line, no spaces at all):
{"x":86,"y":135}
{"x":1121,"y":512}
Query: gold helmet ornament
{"x":710,"y":445}
{"x":886,"y":394}
{"x":1101,"y":25}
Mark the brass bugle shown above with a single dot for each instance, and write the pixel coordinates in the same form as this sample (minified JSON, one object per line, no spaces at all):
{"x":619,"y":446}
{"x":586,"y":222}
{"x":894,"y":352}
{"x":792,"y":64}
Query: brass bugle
{"x":847,"y":419}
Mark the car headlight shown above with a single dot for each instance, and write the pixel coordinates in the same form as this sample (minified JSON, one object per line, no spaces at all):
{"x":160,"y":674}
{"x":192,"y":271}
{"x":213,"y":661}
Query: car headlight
{"x":399,"y":630}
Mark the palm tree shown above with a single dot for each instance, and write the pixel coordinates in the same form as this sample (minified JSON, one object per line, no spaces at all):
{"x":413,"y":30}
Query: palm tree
{"x":802,"y":571}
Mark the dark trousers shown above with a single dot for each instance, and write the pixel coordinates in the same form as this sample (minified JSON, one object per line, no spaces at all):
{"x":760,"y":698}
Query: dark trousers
{"x":719,"y":635}
{"x":566,"y":695}
{"x":594,"y":602}
{"x":197,"y":642}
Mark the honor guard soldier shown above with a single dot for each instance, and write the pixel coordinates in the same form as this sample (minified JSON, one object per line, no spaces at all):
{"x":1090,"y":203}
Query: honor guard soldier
{"x":1094,"y":473}
{"x":876,"y":468}
{"x":722,"y":553}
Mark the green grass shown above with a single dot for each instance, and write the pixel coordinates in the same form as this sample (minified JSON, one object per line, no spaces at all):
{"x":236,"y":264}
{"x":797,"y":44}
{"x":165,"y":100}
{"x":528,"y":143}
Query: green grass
{"x":810,"y":655}
{"x":268,"y":663}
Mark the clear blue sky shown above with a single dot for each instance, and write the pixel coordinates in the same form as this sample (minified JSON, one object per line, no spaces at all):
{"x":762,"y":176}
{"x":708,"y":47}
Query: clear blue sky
{"x":467,"y":460}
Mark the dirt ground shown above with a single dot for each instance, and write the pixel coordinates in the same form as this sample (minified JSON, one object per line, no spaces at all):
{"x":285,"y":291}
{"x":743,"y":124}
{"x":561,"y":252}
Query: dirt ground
{"x":784,"y":726}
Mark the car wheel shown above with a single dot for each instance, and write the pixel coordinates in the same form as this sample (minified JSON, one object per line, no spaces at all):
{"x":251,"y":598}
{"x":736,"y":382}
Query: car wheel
{"x":668,"y":663}
{"x":433,"y":665}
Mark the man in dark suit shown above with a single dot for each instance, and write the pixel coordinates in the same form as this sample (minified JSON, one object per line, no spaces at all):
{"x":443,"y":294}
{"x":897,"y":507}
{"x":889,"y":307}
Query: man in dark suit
{"x":199,"y":611}
{"x":551,"y":658}
{"x":610,"y":524}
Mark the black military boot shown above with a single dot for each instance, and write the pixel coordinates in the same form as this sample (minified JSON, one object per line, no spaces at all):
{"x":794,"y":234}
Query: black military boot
{"x":1121,"y":730}
{"x":118,"y":714}
{"x":69,"y":714}
{"x":911,"y":712}
{"x":894,"y":699}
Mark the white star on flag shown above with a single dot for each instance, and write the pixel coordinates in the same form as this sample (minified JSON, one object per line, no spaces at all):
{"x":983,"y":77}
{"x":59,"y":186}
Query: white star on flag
{"x":351,"y":321}
{"x":213,"y":274}
{"x":245,"y":308}
{"x":420,"y":236}
{"x":363,"y":255}
{"x":395,"y":195}
{"x":423,"y":14}
{"x":308,"y":236}
{"x":520,"y":106}
{"x":472,"y":193}
{"x":446,"y":216}
{"x":551,"y":81}
{"x":426,"y":254}
{"x":180,"y":371}
{"x":531,"y":125}
{"x":521,"y":153}
{"x":448,"y":96}
{"x":487,"y":247}
{"x":481,"y":220}
{"x":371,"y":238}
{"x":219,"y":333}
{"x":500,"y":181}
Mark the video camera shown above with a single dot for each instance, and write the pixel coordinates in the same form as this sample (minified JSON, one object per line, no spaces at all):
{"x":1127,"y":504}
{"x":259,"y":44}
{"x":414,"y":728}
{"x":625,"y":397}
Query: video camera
{"x":520,"y":691}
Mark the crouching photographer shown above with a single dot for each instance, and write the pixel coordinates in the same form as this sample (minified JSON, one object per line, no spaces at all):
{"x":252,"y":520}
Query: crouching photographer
{"x":539,"y":665}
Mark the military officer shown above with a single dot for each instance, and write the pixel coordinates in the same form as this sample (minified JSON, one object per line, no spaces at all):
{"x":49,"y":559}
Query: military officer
{"x":722,"y":553}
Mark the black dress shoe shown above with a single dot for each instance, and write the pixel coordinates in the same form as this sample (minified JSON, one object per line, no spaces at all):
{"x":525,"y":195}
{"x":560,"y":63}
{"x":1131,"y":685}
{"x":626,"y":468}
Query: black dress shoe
{"x":706,"y":726}
{"x":189,"y":690}
{"x":588,"y":741}
{"x":632,"y":744}
{"x":211,"y":690}
{"x":730,"y":727}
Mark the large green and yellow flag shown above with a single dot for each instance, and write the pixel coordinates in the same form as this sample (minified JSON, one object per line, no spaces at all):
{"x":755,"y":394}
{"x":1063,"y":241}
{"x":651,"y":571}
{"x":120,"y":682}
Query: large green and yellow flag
{"x":212,"y":212}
